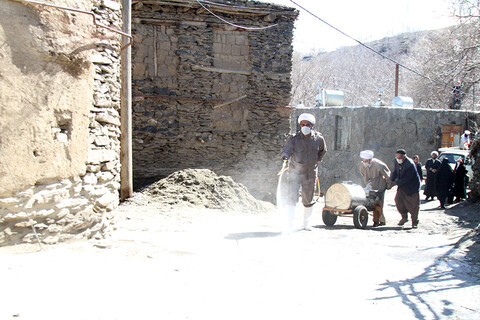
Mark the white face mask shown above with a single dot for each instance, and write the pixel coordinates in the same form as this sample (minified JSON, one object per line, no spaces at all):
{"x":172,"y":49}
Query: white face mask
{"x":367,"y":164}
{"x":400,"y":161}
{"x":306,"y":130}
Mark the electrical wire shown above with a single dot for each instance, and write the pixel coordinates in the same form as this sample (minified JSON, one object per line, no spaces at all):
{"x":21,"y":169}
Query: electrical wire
{"x":440,"y":83}
{"x":129,"y":36}
{"x":233,"y":24}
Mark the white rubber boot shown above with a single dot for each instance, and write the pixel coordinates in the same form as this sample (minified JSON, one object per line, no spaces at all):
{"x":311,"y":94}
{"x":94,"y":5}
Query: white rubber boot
{"x":288,"y":220}
{"x":307,"y":213}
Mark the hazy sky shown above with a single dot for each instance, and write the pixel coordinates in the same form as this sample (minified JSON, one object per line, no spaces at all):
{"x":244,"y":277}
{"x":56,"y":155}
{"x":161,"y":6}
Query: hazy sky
{"x":365,"y":20}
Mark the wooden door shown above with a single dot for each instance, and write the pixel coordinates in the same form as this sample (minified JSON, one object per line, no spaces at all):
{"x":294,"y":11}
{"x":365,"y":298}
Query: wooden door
{"x":451,"y":135}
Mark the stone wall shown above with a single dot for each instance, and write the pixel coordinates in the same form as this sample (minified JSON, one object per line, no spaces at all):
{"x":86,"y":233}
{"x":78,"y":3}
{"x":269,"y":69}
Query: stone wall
{"x":210,"y":95}
{"x":381,"y":129}
{"x":60,"y":128}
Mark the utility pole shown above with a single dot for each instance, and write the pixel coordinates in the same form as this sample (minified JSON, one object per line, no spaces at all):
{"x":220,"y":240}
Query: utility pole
{"x":397,"y":69}
{"x":126,"y":170}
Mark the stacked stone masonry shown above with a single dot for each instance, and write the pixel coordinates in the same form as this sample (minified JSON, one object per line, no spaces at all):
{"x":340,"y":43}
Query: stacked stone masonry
{"x":210,"y":95}
{"x":79,"y":206}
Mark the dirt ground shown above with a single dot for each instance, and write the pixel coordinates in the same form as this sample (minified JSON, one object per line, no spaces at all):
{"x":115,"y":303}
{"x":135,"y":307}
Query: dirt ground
{"x":180,"y":260}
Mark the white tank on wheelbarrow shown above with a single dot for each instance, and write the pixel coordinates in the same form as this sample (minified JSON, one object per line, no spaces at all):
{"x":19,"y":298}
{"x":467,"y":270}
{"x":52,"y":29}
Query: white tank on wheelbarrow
{"x":345,"y":199}
{"x":344,"y":196}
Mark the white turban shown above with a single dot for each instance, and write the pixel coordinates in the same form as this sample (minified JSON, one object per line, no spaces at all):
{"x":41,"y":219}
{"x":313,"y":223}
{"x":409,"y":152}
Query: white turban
{"x":467,"y":132}
{"x":434,"y":153}
{"x":366,"y":154}
{"x":307,"y":116}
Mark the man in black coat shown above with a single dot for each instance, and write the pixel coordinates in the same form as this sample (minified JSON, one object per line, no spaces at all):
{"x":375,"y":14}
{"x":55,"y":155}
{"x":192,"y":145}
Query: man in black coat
{"x":418,"y":165}
{"x":432,"y":165}
{"x":405,"y":176}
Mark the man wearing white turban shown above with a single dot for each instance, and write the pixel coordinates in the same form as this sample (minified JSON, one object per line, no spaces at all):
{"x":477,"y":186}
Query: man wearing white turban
{"x":465,"y":140}
{"x":376,"y":176}
{"x":305,"y":149}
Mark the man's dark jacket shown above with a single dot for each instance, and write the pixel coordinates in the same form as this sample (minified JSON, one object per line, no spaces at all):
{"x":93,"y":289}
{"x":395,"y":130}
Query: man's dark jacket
{"x":406,"y":177}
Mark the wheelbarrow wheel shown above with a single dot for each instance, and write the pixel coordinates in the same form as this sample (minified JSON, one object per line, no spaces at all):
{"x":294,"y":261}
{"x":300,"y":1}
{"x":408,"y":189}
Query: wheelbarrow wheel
{"x":328,"y":218}
{"x":360,"y":217}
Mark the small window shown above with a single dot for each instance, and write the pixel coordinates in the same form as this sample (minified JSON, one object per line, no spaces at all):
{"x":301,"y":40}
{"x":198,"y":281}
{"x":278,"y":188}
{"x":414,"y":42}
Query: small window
{"x":342,"y":132}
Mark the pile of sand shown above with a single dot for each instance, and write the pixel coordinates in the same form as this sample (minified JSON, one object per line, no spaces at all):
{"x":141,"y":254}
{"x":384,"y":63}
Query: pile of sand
{"x":204,"y":189}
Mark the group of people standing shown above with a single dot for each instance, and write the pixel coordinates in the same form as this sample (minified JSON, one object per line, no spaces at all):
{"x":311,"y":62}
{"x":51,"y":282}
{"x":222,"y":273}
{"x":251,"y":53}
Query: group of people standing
{"x":306,"y":149}
{"x":443,"y":182}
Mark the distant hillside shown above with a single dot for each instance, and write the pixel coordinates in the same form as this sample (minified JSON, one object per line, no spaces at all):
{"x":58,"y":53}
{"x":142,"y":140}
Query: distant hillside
{"x":362,"y":74}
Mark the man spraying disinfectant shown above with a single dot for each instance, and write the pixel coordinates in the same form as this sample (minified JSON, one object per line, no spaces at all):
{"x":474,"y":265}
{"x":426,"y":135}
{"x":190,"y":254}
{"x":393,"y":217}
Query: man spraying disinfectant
{"x":304,"y":149}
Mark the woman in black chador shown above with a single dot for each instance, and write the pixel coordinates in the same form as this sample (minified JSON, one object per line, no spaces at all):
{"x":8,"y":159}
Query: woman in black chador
{"x":460,"y":171}
{"x":444,"y":181}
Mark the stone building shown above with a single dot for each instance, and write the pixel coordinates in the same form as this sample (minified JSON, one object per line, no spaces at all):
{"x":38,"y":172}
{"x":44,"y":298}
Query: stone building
{"x":60,"y":123}
{"x":349,"y":130}
{"x":210,"y":92}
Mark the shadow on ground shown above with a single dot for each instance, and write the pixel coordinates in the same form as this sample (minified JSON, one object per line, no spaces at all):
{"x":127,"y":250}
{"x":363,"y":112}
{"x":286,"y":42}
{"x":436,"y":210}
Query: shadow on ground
{"x":468,"y":214}
{"x":447,"y":273}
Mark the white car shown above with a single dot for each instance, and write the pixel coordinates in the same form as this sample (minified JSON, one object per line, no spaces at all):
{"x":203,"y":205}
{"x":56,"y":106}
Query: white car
{"x":453,"y":154}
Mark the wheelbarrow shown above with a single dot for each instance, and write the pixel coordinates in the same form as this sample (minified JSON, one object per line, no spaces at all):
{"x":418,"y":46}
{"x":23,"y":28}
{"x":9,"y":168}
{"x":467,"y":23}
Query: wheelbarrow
{"x":348,"y":200}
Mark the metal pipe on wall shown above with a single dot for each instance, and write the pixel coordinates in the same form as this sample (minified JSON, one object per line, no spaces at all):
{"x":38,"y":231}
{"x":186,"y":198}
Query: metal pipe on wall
{"x":126,"y":171}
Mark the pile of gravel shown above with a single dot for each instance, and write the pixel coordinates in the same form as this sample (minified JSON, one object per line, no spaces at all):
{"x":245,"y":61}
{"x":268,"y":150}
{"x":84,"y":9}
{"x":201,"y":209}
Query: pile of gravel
{"x":204,"y":189}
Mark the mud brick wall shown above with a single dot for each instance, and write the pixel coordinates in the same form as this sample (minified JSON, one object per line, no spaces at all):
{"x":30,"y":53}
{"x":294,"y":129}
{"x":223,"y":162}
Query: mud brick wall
{"x":349,"y":130}
{"x":210,"y":95}
{"x":60,"y":178}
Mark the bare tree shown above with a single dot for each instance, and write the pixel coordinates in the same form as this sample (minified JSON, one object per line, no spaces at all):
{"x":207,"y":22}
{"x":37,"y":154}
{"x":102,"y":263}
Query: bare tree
{"x":438,"y":57}
{"x":444,"y":62}
{"x":359,"y":73}
{"x":452,"y":58}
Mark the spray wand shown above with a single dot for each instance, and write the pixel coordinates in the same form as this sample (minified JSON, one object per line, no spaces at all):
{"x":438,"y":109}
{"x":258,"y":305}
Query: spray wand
{"x":284,"y":167}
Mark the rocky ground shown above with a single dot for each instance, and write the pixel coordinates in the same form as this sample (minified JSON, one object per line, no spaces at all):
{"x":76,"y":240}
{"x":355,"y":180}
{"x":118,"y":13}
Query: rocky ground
{"x":188,"y":248}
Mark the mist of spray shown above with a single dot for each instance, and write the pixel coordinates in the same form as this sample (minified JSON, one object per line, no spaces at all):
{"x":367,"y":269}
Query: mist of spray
{"x":280,"y":192}
{"x":281,"y":198}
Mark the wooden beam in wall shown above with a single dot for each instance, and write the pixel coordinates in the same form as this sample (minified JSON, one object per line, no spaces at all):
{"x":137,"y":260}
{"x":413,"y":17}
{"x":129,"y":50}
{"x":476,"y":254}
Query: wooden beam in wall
{"x":219,"y":70}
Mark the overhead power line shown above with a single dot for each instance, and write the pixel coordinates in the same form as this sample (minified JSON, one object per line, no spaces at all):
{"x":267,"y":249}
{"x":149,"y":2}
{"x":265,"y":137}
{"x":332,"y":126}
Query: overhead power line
{"x":230,"y":23}
{"x":440,"y":83}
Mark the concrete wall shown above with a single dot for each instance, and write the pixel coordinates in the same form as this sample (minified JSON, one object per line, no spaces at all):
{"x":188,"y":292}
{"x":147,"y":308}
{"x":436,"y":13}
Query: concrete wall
{"x":188,"y":66}
{"x":59,"y":133}
{"x":381,"y":129}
